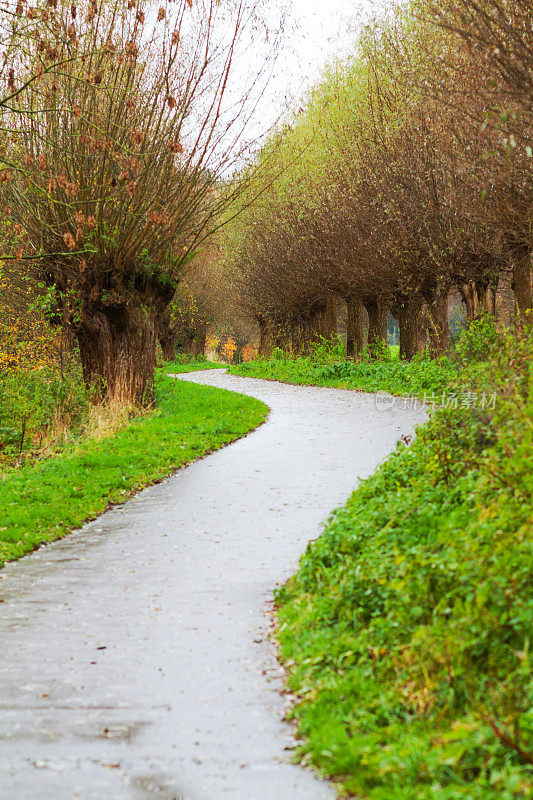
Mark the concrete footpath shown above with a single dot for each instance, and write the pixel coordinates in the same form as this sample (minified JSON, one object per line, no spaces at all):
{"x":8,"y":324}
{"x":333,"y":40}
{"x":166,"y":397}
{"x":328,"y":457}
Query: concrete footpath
{"x":134,"y":662}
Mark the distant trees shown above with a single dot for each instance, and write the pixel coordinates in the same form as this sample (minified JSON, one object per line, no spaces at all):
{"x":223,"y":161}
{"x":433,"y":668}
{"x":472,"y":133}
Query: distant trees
{"x":113,"y":164}
{"x":206,"y":308}
{"x":409,"y":173}
{"x":183,"y":326}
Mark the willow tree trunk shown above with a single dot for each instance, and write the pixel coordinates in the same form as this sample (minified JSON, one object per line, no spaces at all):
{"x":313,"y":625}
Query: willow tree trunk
{"x":298,"y":337}
{"x":438,"y":328}
{"x":309,"y":331}
{"x":315,"y":326}
{"x":522,"y":280}
{"x":330,"y":318}
{"x":283,"y":335}
{"x":166,"y":335}
{"x":489,"y":300}
{"x":265,"y":337}
{"x":479,"y":297}
{"x":467,"y":295}
{"x":324,"y":320}
{"x":167,"y":342}
{"x":185,"y":342}
{"x":408,"y":314}
{"x":117,"y":350}
{"x":200,"y":339}
{"x":377,"y":324}
{"x":354,"y":327}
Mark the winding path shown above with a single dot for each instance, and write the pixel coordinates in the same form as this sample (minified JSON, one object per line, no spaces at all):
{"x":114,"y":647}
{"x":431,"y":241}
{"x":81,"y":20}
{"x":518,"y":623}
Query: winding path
{"x":134,"y":659}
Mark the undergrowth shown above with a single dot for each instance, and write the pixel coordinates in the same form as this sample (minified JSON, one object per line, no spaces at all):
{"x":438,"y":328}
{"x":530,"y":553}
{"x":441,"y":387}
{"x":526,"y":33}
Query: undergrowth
{"x":40,"y":411}
{"x":187,"y":363}
{"x":406,"y":630}
{"x":326,"y":366}
{"x":46,"y":409}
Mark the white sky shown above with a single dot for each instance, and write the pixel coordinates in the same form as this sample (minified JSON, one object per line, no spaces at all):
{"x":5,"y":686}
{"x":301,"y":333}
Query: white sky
{"x":317,"y":32}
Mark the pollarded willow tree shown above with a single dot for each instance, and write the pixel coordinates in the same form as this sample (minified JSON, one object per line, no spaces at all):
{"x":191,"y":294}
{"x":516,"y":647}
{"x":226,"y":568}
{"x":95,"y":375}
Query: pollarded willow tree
{"x":115,"y":156}
{"x":494,"y":90}
{"x":407,"y":174}
{"x":183,"y":326}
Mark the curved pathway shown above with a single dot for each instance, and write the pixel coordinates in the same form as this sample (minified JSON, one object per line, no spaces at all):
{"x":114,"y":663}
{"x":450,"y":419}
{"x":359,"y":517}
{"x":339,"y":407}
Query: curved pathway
{"x":134,"y":659}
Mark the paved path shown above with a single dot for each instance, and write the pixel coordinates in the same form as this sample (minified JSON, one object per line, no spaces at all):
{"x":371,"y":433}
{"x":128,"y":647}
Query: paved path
{"x":133,"y":657}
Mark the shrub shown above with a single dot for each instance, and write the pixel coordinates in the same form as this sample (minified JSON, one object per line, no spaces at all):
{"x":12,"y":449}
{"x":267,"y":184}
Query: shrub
{"x":325,"y":351}
{"x":406,"y":628}
{"x":39,"y":407}
{"x":480,"y":340}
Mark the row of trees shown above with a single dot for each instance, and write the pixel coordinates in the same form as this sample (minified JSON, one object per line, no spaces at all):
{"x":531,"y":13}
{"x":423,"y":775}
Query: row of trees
{"x":409,"y":173}
{"x":206,"y":312}
{"x":117,"y":127}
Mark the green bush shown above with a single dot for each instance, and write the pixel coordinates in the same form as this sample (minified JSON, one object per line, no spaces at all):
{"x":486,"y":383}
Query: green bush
{"x":325,"y":351}
{"x":479,"y":340}
{"x":35,"y":404}
{"x":406,"y":630}
{"x":420,"y":377}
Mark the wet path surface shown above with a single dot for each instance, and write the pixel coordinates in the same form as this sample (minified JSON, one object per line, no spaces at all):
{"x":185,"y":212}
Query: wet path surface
{"x":133,"y":658}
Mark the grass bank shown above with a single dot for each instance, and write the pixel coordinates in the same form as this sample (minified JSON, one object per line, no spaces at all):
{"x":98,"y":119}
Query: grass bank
{"x":190,"y":364}
{"x":406,"y":630}
{"x":47,"y":409}
{"x":44,"y":501}
{"x":326,"y":366}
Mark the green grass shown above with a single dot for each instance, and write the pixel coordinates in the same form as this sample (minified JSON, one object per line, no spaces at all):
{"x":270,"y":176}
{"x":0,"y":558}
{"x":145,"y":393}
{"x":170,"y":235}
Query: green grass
{"x":46,"y":500}
{"x":46,"y":410}
{"x":189,"y":364}
{"x":39,"y":409}
{"x":394,"y":350}
{"x":420,"y":377}
{"x":406,"y":630}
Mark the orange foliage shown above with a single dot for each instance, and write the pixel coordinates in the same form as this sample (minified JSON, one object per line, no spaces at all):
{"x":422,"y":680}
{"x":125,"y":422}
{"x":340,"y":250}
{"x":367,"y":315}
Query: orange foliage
{"x":249,"y":353}
{"x":227,"y":351}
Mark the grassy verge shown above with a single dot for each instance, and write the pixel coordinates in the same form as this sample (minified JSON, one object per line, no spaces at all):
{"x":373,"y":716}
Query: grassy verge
{"x":47,"y":409}
{"x":43,"y":409}
{"x":46,"y":500}
{"x":419,"y":377}
{"x":189,"y":364}
{"x":406,"y":630}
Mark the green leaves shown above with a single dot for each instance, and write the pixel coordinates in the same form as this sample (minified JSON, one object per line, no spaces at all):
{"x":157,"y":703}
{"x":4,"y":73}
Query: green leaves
{"x":423,"y":578}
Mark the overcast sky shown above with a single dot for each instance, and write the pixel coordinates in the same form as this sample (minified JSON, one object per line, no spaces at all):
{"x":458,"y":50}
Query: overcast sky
{"x":317,"y":32}
{"x":322,"y":30}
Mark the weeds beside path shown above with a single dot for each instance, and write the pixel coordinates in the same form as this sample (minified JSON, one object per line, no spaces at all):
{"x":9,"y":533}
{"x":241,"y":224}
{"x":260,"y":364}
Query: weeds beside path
{"x":406,"y":629}
{"x":187,"y":364}
{"x":421,"y":377}
{"x":44,"y":501}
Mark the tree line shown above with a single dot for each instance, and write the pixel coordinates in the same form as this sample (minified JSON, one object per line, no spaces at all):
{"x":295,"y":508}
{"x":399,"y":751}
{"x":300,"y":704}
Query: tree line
{"x":407,"y":173}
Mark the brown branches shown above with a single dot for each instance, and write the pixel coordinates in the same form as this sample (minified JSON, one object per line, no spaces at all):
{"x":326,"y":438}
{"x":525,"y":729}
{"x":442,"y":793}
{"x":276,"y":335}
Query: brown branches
{"x":117,"y":149}
{"x":407,"y":175}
